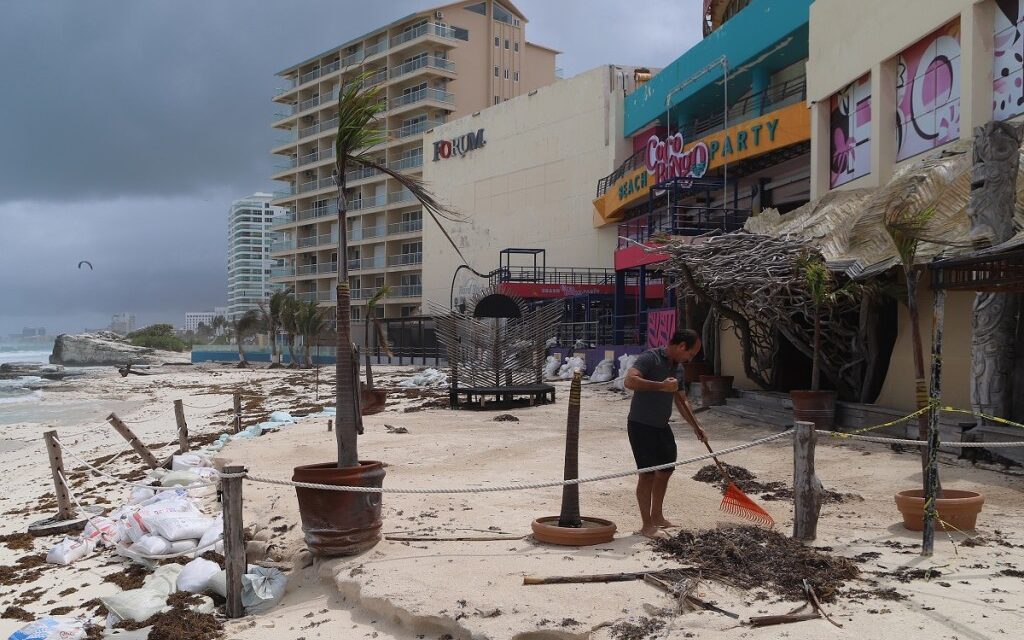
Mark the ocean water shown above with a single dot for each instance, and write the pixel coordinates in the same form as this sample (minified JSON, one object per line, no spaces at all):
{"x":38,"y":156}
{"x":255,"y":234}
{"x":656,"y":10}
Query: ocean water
{"x":25,"y":389}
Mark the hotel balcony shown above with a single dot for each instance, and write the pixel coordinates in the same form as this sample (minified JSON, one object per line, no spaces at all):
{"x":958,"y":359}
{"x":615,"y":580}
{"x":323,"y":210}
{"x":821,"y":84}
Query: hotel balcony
{"x":411,"y":226}
{"x":365,"y":264}
{"x":318,"y":296}
{"x":428,"y":96}
{"x":404,"y":164}
{"x":446,"y":68}
{"x":415,"y":128}
{"x":406,"y":291}
{"x":425,"y":32}
{"x":405,"y":260}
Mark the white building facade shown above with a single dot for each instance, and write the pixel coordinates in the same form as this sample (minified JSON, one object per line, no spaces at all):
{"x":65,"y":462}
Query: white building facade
{"x":250,"y":266}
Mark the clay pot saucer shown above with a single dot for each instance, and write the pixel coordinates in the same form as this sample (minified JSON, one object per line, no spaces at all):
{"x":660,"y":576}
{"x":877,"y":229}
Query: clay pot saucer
{"x":593,"y":531}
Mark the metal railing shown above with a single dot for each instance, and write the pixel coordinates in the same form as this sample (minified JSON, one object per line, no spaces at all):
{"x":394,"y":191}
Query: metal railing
{"x":282,"y":272}
{"x":354,"y":58}
{"x":318,"y":127}
{"x":634,"y":161}
{"x":405,"y":259}
{"x":409,"y":226}
{"x":414,"y":128}
{"x":422,"y":63}
{"x":410,"y":162}
{"x":365,"y":233}
{"x":554,"y":275}
{"x":407,"y":291}
{"x":687,"y":220}
{"x":313,"y":185}
{"x":282,"y":245}
{"x":427,"y":93}
{"x":376,"y":262}
{"x":375,"y":79}
{"x":284,"y":193}
{"x":369,"y":202}
{"x":783,"y":95}
{"x":318,"y":296}
{"x":360,"y":174}
{"x":306,"y":270}
{"x":422,"y":30}
{"x":404,"y":195}
{"x":316,"y":156}
{"x":316,"y":241}
{"x":374,"y":49}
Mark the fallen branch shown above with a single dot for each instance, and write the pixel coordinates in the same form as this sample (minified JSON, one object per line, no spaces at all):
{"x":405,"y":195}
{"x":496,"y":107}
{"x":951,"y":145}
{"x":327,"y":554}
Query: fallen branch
{"x":451,"y":539}
{"x":686,"y":594}
{"x":817,"y":603}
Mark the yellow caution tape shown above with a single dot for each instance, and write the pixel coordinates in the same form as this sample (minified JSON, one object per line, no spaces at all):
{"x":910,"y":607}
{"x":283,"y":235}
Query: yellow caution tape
{"x":891,"y":423}
{"x":1009,"y":423}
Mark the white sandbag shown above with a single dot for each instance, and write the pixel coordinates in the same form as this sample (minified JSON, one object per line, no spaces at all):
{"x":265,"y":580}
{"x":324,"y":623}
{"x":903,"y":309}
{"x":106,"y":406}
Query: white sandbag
{"x":218,"y":582}
{"x":262,"y":588}
{"x":426,"y":378}
{"x":572,"y":363}
{"x":70,"y":549}
{"x":150,"y":545}
{"x":164,"y":580}
{"x":195,"y":576}
{"x":163,"y":495}
{"x":604,"y":371}
{"x":625,"y":364}
{"x":281,"y":416}
{"x":206,"y":606}
{"x":136,"y":524}
{"x":102,"y":530}
{"x":123,"y":634}
{"x":183,"y":547}
{"x":135,"y":604}
{"x":51,"y":628}
{"x":214,"y":533}
{"x":179,"y":526}
{"x":180,"y":479}
{"x":186,"y":461}
{"x":551,"y":364}
{"x":140,"y":495}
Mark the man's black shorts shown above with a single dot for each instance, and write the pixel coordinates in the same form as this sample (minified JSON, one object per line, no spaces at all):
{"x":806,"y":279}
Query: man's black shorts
{"x":651,"y":446}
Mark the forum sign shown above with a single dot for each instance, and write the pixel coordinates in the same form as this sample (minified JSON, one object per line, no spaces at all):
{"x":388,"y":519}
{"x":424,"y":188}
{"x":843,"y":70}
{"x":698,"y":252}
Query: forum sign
{"x":460,"y":146}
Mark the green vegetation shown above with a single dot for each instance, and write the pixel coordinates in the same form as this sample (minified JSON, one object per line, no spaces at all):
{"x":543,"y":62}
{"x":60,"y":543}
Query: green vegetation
{"x":158,"y":336}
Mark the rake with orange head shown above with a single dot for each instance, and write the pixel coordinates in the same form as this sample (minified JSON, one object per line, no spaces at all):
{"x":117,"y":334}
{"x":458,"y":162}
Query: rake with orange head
{"x":734,"y":501}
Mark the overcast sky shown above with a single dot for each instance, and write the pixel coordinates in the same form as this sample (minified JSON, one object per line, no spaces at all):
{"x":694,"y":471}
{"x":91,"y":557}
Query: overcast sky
{"x":129,"y":126}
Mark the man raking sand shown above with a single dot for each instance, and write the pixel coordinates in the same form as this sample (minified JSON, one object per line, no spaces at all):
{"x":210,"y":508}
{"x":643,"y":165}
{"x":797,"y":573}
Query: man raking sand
{"x":655,"y":381}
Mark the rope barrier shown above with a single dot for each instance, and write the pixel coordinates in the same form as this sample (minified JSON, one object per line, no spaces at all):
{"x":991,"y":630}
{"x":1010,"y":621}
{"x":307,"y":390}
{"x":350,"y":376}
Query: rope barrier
{"x":509,"y":487}
{"x":891,"y":423}
{"x":65,"y":449}
{"x":1009,"y":423}
{"x":921,"y":443}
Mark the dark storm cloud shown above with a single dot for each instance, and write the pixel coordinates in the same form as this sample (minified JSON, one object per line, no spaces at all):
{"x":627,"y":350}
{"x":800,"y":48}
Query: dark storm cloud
{"x":129,"y":126}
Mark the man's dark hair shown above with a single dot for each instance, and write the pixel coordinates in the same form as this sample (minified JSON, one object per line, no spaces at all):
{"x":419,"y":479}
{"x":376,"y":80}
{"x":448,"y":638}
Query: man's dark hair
{"x":688,"y":337}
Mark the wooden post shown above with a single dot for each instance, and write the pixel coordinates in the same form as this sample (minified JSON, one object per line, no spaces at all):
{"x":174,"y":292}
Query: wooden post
{"x":807,"y":490}
{"x":65,"y":510}
{"x":126,"y":433}
{"x":369,"y":370}
{"x":931,"y":475}
{"x":238,"y":411}
{"x":330,"y":425}
{"x":234,"y":541}
{"x":179,"y":417}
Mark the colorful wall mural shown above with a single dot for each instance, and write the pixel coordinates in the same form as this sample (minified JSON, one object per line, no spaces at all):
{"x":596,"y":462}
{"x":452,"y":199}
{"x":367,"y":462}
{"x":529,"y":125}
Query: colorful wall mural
{"x":928,"y":92}
{"x":661,"y":324}
{"x":850,"y":132}
{"x":1008,"y":61}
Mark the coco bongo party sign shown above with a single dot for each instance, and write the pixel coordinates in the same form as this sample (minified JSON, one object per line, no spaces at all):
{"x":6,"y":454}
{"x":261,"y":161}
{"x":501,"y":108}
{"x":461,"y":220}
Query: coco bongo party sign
{"x":666,"y":159}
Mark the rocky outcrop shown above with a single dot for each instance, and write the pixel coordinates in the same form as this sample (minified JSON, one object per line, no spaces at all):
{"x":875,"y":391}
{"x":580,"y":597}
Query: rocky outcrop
{"x":11,"y":370}
{"x":105,"y":348}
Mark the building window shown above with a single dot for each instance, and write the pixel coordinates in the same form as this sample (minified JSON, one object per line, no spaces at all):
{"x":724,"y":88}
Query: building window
{"x":497,"y":41}
{"x":480,"y":8}
{"x":516,"y":78}
{"x":506,"y":74}
{"x":506,"y":43}
{"x":1008,"y":63}
{"x":501,"y":14}
{"x":497,"y":99}
{"x":928,"y":92}
{"x":515,"y":46}
{"x":495,"y":72}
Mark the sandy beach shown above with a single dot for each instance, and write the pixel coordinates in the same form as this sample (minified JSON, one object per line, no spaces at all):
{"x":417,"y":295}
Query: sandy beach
{"x":474,"y":589}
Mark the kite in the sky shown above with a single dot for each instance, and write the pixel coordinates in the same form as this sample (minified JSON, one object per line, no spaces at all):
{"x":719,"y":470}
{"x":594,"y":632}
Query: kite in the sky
{"x":85,"y":262}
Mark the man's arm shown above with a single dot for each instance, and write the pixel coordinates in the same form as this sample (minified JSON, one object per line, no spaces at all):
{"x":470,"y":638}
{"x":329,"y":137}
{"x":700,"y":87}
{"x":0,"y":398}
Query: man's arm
{"x":683,"y":404}
{"x":635,"y":381}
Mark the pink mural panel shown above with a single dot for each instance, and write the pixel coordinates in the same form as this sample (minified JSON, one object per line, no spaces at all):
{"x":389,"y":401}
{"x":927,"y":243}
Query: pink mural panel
{"x":1008,"y":60}
{"x":928,"y":93}
{"x":850,"y":132}
{"x":661,"y":324}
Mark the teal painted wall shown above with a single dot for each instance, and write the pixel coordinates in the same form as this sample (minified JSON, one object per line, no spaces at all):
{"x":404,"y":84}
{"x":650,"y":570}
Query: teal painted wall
{"x":775,"y":27}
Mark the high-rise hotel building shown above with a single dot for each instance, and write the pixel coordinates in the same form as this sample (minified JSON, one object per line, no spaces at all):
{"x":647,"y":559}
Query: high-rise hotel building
{"x":250,"y":266}
{"x":435,"y":65}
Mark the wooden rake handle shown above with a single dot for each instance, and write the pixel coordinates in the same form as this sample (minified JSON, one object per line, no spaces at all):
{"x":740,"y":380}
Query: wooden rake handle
{"x":721,"y":467}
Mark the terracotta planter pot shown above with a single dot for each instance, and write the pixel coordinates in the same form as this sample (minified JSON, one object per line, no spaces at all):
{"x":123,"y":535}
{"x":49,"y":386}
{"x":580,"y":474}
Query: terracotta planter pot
{"x":372,"y":400}
{"x":692,"y":371}
{"x":958,"y":508}
{"x":715,"y":389}
{"x":818,"y":407}
{"x":340,"y":523}
{"x":593,"y":531}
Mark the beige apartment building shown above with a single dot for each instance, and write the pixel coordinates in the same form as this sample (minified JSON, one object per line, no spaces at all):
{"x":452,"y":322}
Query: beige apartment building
{"x":436,"y":65}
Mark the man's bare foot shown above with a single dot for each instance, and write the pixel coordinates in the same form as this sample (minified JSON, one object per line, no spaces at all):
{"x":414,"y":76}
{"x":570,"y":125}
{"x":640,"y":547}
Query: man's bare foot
{"x":653,"y":532}
{"x":664,"y":524}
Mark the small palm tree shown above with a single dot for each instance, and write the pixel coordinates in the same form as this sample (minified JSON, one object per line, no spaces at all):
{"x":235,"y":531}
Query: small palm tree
{"x":371,"y":316}
{"x":243,"y":327}
{"x":289,"y":323}
{"x":312,"y":321}
{"x":271,"y":312}
{"x":359,"y":129}
{"x":219,"y":324}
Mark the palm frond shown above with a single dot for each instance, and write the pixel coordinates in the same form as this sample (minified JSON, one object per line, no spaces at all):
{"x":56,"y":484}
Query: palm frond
{"x":377,"y":297}
{"x":359,"y":112}
{"x":382,"y":337}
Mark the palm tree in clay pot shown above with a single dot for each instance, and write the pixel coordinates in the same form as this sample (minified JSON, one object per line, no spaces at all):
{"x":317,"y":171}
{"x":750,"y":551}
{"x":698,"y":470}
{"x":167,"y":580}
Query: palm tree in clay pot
{"x":339,"y":523}
{"x":569,"y":528}
{"x":815,"y":405}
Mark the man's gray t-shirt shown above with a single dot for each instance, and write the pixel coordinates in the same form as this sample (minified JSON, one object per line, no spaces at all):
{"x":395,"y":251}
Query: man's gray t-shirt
{"x":654,"y":408}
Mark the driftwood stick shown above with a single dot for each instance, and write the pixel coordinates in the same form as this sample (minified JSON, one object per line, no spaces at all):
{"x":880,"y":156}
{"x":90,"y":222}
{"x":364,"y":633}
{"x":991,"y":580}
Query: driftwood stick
{"x":451,"y":539}
{"x":587,"y":579}
{"x":686,"y":594}
{"x":65,"y":510}
{"x":179,"y":417}
{"x":807,"y":490}
{"x":786,"y":618}
{"x":809,"y":590}
{"x":136,"y":444}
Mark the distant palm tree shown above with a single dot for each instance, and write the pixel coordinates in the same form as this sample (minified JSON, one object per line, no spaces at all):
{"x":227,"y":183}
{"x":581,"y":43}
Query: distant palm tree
{"x":244,"y":327}
{"x":311,"y":320}
{"x":359,"y":129}
{"x":289,"y":322}
{"x":371,"y":316}
{"x":271,"y":311}
{"x":219,"y":324}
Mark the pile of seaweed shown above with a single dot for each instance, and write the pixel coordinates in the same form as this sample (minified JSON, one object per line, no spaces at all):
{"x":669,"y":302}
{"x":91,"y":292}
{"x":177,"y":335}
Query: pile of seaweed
{"x":758,"y":558}
{"x":748,"y":483}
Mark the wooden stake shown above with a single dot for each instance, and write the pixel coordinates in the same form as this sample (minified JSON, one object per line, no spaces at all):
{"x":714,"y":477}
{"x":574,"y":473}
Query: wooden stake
{"x":179,"y":417}
{"x":330,"y":425}
{"x":238,"y":411}
{"x":807,"y":490}
{"x":126,"y":433}
{"x":234,"y":541}
{"x":65,"y":510}
{"x":932,"y":490}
